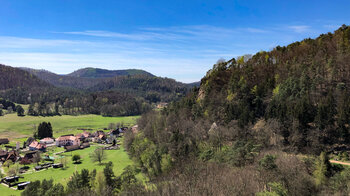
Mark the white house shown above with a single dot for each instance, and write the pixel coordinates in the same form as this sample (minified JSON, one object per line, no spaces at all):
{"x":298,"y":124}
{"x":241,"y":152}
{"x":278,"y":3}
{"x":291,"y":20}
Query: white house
{"x":67,"y":141}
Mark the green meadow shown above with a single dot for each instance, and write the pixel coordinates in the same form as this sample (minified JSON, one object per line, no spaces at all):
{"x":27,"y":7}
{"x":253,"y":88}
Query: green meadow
{"x":119,"y":158}
{"x":19,"y":128}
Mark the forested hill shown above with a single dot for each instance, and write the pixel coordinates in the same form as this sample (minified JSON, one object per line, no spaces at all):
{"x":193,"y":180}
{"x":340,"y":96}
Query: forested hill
{"x":104,"y":73}
{"x":52,"y":94}
{"x":64,"y":80}
{"x":248,"y":120}
{"x":15,"y":78}
{"x":305,"y":86}
{"x":151,"y":88}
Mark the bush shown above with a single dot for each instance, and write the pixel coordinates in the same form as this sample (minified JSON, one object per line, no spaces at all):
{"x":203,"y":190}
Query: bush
{"x":76,"y":158}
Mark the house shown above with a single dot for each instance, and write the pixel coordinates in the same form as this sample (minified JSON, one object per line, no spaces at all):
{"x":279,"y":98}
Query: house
{"x":72,"y":147}
{"x":4,"y":141}
{"x":30,"y":157}
{"x":47,"y":141}
{"x":13,"y":156}
{"x":37,"y":146}
{"x":67,"y":140}
{"x":3,"y":155}
{"x":87,"y":134}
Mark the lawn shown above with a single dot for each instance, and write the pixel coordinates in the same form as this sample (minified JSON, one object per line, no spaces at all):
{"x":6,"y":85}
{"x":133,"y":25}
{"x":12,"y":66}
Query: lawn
{"x":119,"y":158}
{"x":19,"y":128}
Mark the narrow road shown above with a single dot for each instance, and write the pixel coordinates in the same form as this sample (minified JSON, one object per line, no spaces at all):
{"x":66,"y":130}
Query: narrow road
{"x":339,"y":162}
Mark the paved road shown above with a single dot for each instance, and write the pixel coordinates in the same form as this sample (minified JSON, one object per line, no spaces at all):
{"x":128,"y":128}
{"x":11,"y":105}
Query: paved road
{"x":339,"y":162}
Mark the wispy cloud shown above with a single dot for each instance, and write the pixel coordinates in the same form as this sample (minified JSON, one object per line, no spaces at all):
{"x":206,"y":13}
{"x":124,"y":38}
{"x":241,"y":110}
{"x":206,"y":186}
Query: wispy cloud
{"x":299,"y":28}
{"x":181,"y":52}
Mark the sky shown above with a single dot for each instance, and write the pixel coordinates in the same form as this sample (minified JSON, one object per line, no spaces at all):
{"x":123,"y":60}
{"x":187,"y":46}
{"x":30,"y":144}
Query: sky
{"x":179,"y":39}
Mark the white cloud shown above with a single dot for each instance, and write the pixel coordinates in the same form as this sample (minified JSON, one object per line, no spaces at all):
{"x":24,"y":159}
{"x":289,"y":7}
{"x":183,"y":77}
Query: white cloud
{"x":300,"y":28}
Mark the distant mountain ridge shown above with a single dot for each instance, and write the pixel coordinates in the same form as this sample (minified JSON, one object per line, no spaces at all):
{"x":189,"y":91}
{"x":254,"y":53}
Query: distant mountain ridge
{"x":90,"y":72}
{"x":63,"y":80}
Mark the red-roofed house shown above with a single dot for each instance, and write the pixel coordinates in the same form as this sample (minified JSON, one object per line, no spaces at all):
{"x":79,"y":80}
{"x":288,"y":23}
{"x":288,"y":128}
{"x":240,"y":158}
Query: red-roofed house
{"x":37,"y":146}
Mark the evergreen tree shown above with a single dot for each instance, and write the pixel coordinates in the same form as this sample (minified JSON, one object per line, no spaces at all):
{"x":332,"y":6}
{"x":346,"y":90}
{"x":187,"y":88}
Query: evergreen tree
{"x":109,"y":175}
{"x":44,"y":130}
{"x":20,"y":110}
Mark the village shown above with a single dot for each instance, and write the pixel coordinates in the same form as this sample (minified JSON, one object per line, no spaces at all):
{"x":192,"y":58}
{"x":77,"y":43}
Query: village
{"x":36,"y":155}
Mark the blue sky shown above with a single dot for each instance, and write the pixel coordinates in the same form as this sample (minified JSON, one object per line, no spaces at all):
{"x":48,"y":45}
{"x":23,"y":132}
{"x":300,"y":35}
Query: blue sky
{"x":180,"y":39}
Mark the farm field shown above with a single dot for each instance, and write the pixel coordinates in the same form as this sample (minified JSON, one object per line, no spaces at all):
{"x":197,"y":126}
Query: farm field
{"x":19,"y":128}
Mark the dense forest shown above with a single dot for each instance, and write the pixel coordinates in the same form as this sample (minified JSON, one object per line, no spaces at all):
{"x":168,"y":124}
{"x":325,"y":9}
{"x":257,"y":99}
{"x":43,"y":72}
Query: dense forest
{"x":88,"y":91}
{"x":264,"y":125}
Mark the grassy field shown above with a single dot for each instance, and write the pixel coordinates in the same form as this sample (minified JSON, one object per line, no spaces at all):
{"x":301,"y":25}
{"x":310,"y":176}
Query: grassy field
{"x":19,"y":128}
{"x":119,"y":158}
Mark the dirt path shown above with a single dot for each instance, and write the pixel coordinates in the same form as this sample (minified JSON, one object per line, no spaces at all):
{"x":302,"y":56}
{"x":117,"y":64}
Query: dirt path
{"x":339,"y":162}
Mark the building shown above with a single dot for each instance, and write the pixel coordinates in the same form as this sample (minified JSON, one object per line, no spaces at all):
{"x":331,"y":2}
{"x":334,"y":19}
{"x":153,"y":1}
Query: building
{"x":67,"y":140}
{"x":13,"y":156}
{"x":47,"y":141}
{"x":3,"y":155}
{"x":37,"y":146}
{"x":72,"y":147}
{"x":4,"y":141}
{"x":30,"y":157}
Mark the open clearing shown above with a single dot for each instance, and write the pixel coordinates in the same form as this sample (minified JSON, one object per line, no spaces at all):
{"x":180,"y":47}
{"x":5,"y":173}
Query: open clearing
{"x":19,"y":128}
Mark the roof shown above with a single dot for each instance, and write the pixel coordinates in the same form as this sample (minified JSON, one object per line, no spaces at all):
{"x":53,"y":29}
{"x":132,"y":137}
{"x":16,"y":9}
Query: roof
{"x":80,"y":135}
{"x":47,"y":139}
{"x":33,"y":144}
{"x":73,"y":147}
{"x":86,"y":134}
{"x":4,"y":140}
{"x":37,"y":145}
{"x":67,"y":137}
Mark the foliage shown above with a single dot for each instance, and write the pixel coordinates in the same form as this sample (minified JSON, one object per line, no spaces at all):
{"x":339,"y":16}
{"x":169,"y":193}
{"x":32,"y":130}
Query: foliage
{"x":98,"y":155}
{"x":76,"y":158}
{"x":44,"y":130}
{"x":20,"y":110}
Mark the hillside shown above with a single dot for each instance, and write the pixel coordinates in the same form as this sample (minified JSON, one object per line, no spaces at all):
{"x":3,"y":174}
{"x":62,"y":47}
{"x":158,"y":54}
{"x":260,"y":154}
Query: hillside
{"x":15,"y":78}
{"x":154,"y":89}
{"x":250,"y":119}
{"x":64,"y":80}
{"x":52,"y":94}
{"x":104,"y":73}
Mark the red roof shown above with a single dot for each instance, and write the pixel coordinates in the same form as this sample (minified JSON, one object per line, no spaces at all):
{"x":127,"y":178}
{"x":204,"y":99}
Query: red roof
{"x":37,"y":145}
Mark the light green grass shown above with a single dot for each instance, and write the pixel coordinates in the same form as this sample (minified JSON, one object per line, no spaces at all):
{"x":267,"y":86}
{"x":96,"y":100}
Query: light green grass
{"x":5,"y":191}
{"x":19,"y":128}
{"x":119,"y":158}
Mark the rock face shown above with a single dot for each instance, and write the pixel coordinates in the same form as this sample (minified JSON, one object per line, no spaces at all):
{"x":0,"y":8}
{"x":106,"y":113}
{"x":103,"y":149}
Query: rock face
{"x":213,"y":128}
